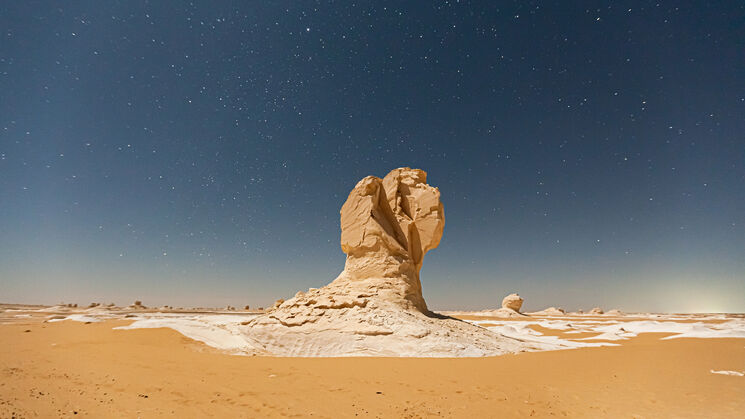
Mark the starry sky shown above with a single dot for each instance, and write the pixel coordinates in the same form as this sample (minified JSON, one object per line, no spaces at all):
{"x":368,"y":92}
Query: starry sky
{"x":197,"y":153}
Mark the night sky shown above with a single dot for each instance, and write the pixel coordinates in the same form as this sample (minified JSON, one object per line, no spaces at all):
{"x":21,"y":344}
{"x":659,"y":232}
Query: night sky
{"x":588,"y":153}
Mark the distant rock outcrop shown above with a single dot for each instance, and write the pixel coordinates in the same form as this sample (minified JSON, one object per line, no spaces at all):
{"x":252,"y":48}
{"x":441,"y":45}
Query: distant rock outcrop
{"x":511,"y":305}
{"x":596,"y":310}
{"x":137,"y":305}
{"x":551,"y":311}
{"x":512,"y":302}
{"x":375,"y":306}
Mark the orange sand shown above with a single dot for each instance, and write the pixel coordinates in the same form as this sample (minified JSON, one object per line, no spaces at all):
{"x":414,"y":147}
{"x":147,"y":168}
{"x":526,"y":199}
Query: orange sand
{"x":70,"y":369}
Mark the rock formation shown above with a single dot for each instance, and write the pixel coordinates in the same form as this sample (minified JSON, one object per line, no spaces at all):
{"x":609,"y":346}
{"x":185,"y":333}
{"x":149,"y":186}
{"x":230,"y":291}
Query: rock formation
{"x":137,"y":305}
{"x":512,"y":302}
{"x":375,"y":306}
{"x":596,"y":310}
{"x":510,"y":308}
{"x":551,"y":311}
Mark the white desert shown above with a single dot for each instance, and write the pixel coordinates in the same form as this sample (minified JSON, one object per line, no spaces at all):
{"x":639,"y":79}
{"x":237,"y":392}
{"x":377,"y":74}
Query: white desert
{"x":368,"y":345}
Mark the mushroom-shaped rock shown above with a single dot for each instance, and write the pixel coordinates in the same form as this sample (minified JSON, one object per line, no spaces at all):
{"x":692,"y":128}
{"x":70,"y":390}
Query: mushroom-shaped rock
{"x":512,"y":302}
{"x":596,"y":310}
{"x":375,"y":306}
{"x":387,"y":225}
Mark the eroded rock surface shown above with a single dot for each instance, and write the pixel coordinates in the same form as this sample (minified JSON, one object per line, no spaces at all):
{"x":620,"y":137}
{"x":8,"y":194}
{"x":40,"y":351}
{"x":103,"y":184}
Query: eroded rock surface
{"x":387,"y":225}
{"x":375,"y":306}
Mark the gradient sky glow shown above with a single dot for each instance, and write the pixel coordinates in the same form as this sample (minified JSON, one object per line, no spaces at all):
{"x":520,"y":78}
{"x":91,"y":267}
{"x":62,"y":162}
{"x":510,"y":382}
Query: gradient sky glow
{"x":198,"y":153}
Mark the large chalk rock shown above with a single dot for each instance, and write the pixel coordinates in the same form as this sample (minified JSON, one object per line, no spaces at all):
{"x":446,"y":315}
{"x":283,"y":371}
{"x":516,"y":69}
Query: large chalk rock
{"x":387,"y":226}
{"x":375,"y":306}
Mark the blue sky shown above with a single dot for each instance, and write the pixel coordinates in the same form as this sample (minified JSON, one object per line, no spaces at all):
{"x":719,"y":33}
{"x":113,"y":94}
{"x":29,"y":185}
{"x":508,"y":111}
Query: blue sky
{"x":198,"y":154}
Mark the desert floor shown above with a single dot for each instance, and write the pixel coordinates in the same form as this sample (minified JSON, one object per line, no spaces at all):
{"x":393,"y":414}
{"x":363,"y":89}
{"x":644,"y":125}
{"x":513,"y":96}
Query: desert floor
{"x":74,"y":369}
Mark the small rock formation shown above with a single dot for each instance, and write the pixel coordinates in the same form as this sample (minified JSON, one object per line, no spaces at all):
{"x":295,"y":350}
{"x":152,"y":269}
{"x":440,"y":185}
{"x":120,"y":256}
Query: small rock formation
{"x":614,"y":312}
{"x":247,"y":307}
{"x":551,"y":311}
{"x":512,"y":302}
{"x":91,"y":305}
{"x":137,"y":305}
{"x":375,"y":307}
{"x":596,"y":310}
{"x":511,"y":305}
{"x":510,"y":308}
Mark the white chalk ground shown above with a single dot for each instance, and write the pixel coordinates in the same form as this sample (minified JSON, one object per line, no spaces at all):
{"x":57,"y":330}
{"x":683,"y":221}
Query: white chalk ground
{"x":219,"y":331}
{"x":614,"y":329}
{"x":522,"y":330}
{"x":224,"y":331}
{"x":733,"y":373}
{"x":77,"y":318}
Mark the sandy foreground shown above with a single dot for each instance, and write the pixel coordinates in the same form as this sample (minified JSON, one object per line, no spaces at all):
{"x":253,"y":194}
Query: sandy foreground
{"x":75,"y":369}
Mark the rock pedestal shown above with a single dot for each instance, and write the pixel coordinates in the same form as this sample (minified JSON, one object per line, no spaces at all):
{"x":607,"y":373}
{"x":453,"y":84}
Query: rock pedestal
{"x":375,"y":306}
